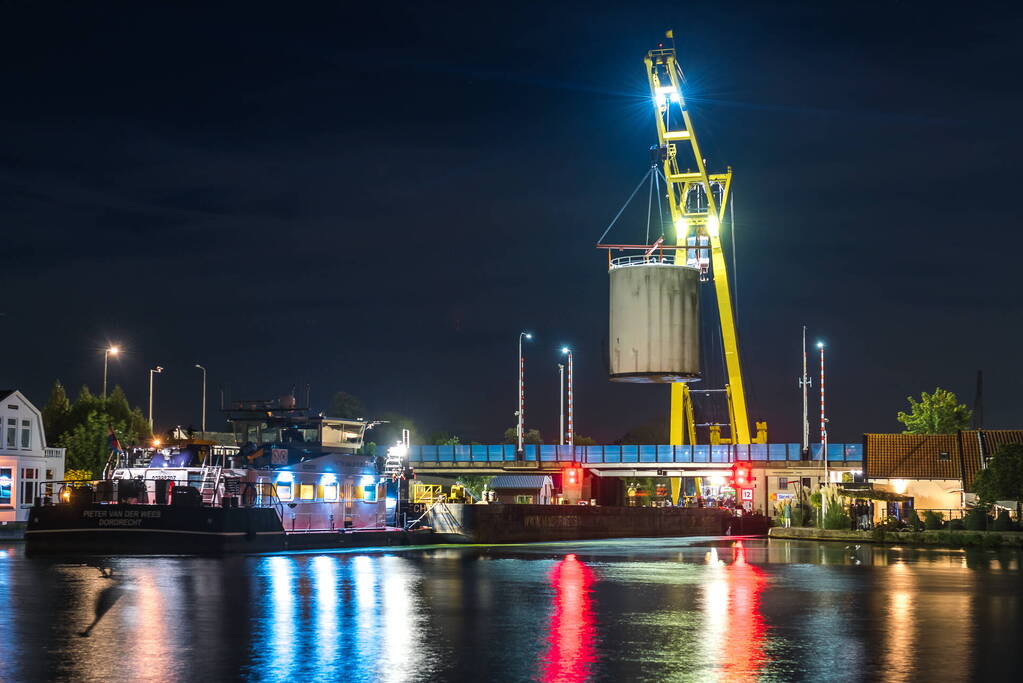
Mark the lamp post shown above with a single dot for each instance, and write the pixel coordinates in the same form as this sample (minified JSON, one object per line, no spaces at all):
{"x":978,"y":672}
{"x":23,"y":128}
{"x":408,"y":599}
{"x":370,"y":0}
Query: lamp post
{"x":824,"y":437}
{"x":561,"y":396}
{"x":203,"y":423}
{"x":522,"y":393}
{"x":824,"y":420}
{"x":158,"y":369}
{"x":110,"y":351}
{"x":570,"y":431}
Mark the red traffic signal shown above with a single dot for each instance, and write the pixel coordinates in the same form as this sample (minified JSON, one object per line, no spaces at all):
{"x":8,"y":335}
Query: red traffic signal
{"x":572,"y":475}
{"x":740,"y":475}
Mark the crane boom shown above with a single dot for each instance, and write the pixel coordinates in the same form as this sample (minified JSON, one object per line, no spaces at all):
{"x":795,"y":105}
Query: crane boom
{"x":697,"y":201}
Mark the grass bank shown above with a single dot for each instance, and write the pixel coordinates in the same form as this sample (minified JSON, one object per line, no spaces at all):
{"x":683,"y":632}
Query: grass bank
{"x":941,"y":538}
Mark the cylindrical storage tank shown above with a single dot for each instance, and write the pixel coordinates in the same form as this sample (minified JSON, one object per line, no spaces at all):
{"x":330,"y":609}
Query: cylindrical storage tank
{"x":655,"y":321}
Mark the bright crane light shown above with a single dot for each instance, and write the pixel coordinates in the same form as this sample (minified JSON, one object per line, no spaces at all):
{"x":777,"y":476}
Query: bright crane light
{"x":713,"y":226}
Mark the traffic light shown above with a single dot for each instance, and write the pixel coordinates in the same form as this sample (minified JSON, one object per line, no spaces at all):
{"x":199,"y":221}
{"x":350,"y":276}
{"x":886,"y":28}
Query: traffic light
{"x":573,"y":476}
{"x":740,"y":475}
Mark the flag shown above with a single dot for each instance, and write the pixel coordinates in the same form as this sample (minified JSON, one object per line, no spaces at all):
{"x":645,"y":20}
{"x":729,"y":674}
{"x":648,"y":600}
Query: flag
{"x":669,"y":34}
{"x":112,"y":441}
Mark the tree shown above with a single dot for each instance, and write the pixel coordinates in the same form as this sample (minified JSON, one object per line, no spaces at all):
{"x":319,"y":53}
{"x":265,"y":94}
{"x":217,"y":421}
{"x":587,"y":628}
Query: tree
{"x":347,"y":406}
{"x":531,"y":436}
{"x":937,"y":413}
{"x":1002,"y":479}
{"x":580,"y":440}
{"x":475,"y":484}
{"x":56,"y":412}
{"x":87,"y":428}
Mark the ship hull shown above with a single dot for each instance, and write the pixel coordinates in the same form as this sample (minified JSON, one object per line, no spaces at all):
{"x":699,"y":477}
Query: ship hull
{"x":100,"y":529}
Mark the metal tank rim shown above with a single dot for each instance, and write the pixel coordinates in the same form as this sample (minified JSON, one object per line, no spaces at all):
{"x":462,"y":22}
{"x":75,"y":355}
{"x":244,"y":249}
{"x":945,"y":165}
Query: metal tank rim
{"x":640,"y":261}
{"x":655,"y":377}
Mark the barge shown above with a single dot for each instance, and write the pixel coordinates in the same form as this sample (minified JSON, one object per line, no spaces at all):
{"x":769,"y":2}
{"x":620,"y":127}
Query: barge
{"x":292,"y":481}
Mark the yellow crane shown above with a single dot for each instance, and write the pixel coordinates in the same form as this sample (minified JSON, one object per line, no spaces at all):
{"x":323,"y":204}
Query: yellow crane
{"x":697,"y":201}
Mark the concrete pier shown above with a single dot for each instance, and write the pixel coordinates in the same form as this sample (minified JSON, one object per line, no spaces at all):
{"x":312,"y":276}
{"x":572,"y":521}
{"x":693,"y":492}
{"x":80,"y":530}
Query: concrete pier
{"x":538,"y":523}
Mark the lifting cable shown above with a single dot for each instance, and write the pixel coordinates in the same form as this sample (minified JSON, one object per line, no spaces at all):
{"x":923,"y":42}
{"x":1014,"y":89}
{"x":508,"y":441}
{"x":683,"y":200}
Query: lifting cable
{"x":626,"y":204}
{"x":649,"y":206}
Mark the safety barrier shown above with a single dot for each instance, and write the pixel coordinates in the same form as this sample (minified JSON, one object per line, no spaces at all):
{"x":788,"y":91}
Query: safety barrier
{"x":633,"y":454}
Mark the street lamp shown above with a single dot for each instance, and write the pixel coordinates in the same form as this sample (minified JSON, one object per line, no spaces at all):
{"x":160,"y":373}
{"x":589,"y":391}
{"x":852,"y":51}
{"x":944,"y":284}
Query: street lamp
{"x":203,"y":399}
{"x":521,"y":413}
{"x":110,"y":351}
{"x":570,"y":433}
{"x":561,"y":396}
{"x":824,"y":433}
{"x":158,"y":369}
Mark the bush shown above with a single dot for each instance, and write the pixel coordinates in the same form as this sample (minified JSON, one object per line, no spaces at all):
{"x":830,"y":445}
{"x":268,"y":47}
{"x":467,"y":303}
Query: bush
{"x":913,"y":521}
{"x":1002,"y":522}
{"x":976,"y":519}
{"x":932,"y":520}
{"x":956,"y":525}
{"x":836,"y":518}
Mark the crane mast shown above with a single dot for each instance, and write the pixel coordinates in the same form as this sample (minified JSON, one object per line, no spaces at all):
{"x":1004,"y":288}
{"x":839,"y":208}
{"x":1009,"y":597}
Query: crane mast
{"x":697,"y":201}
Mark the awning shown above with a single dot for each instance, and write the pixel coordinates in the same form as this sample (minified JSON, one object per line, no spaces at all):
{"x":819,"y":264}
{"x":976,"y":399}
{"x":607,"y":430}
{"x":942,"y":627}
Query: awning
{"x":873,"y":494}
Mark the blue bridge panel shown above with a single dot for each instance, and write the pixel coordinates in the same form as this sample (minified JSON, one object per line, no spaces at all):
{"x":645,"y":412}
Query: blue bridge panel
{"x":630,"y":453}
{"x":612,"y":453}
{"x":648,"y":453}
{"x":701,"y":453}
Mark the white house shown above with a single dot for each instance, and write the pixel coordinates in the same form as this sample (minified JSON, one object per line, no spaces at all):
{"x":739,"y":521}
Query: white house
{"x":25,"y":461}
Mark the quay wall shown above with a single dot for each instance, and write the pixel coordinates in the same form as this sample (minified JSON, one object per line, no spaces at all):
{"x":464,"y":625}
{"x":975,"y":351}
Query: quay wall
{"x":499,"y":523}
{"x":939,"y":538}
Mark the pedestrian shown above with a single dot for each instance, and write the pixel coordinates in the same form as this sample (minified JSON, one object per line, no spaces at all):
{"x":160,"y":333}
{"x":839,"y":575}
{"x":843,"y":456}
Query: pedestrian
{"x":787,"y":514}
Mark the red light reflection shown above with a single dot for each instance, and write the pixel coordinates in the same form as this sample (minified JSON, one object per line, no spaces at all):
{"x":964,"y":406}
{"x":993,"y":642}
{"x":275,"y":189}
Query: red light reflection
{"x":743,"y":652}
{"x":570,"y":652}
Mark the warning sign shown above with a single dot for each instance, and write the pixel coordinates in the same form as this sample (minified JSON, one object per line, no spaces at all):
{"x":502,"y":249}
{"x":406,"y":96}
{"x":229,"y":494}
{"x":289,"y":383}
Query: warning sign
{"x":747,"y":494}
{"x":279,"y":456}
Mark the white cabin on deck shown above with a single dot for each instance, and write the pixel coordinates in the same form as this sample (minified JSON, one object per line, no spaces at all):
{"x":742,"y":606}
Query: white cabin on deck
{"x":25,"y":460}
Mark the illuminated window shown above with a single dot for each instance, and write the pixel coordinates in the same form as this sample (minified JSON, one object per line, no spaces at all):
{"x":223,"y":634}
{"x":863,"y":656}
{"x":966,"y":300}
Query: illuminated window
{"x":330,"y":491}
{"x":6,"y":481}
{"x":524,"y":499}
{"x":306,"y":491}
{"x":284,"y":490}
{"x":369,"y":493}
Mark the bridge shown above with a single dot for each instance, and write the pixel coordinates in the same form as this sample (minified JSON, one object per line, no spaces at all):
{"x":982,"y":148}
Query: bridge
{"x":648,"y":460}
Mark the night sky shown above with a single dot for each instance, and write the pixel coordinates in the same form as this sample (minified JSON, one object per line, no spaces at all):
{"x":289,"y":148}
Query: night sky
{"x":378,"y":197}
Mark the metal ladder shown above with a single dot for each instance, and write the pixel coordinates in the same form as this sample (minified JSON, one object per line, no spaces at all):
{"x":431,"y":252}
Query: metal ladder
{"x":210,"y":483}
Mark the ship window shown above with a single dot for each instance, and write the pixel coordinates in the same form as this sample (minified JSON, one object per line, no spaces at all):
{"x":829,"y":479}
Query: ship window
{"x":284,"y":491}
{"x":306,"y":491}
{"x":5,"y":485}
{"x":369,"y":493}
{"x":330,"y":491}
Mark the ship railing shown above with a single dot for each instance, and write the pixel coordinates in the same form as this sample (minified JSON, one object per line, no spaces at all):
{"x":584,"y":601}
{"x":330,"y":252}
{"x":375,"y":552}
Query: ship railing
{"x":250,"y":494}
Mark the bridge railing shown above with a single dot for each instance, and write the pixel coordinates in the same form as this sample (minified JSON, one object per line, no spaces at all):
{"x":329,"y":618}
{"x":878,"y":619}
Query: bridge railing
{"x":626,"y":454}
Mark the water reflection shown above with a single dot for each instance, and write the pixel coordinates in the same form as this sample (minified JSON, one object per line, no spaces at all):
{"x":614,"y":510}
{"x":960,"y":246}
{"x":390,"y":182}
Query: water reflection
{"x":570,"y":653}
{"x":660,"y":609}
{"x":734,"y":630}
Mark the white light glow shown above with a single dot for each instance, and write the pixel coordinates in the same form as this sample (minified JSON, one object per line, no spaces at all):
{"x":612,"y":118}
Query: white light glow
{"x":713,"y":226}
{"x":900,"y":485}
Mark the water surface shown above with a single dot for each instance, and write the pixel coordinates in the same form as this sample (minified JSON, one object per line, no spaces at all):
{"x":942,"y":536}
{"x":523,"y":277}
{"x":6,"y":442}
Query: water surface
{"x":639,"y":609}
